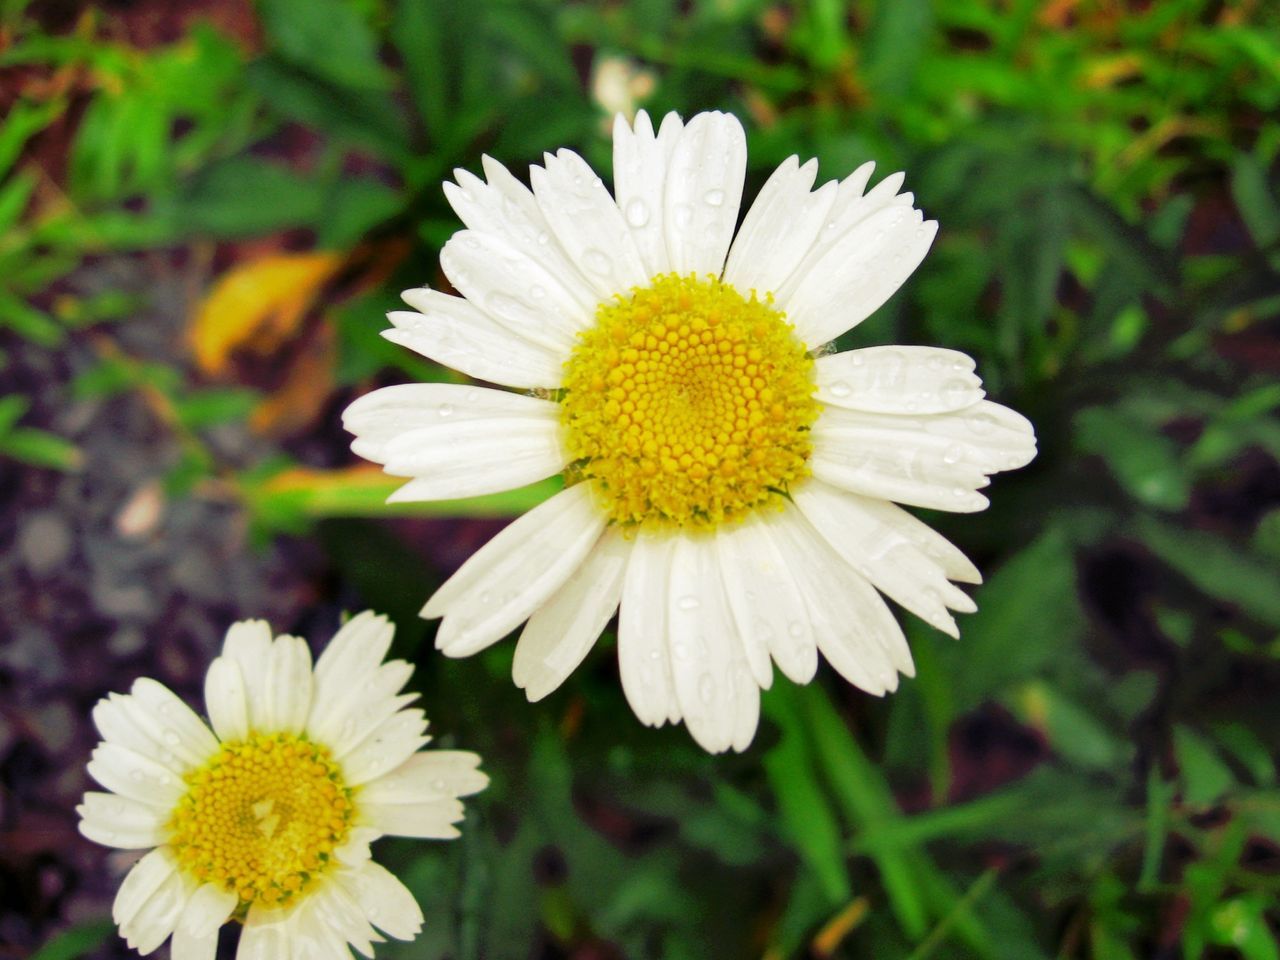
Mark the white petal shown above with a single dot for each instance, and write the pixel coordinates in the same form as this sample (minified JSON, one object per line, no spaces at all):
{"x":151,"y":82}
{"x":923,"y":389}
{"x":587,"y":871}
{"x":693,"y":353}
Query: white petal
{"x":643,"y":659}
{"x":760,"y":573}
{"x":354,"y":653}
{"x":640,"y":162}
{"x":867,"y":633}
{"x":934,"y":461}
{"x":895,"y":523}
{"x":353,"y":713}
{"x":900,"y":380}
{"x":703,"y":192}
{"x":266,"y":936}
{"x":196,"y":936}
{"x":588,"y":224}
{"x":428,"y":775}
{"x":379,"y":418}
{"x":226,"y":699}
{"x":116,"y":821}
{"x":456,"y":334}
{"x":426,"y":819}
{"x":155,"y":918}
{"x":516,"y":572}
{"x":893,"y":562}
{"x":514,"y":290}
{"x":134,"y":775}
{"x":780,"y":227}
{"x":838,"y":626}
{"x":705,"y":652}
{"x":388,"y":746}
{"x":504,"y":207}
{"x":331,"y":918}
{"x":249,"y":644}
{"x":123,"y":721}
{"x":564,"y":629}
{"x":175,"y":725}
{"x":385,"y":900}
{"x":858,"y":274}
{"x":288,"y":684}
{"x":143,"y":879}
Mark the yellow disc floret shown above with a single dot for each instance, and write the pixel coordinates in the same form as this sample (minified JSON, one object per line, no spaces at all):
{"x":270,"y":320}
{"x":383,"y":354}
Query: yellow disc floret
{"x":262,"y":817}
{"x":688,"y":404}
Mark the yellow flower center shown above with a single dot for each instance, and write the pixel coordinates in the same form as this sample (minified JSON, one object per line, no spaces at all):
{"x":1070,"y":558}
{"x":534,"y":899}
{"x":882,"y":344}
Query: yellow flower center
{"x":689,"y":404}
{"x":262,"y":818}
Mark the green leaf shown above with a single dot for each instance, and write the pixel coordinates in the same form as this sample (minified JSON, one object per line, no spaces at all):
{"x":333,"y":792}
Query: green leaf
{"x":327,"y":39}
{"x":1028,"y":615}
{"x":12,"y":408}
{"x":41,"y":449}
{"x":1255,"y":200}
{"x":23,"y":121}
{"x":1204,"y":776}
{"x":77,"y":942}
{"x":243,"y":196}
{"x":1218,"y":567}
{"x":13,"y":198}
{"x":807,"y":815}
{"x":1143,"y":461}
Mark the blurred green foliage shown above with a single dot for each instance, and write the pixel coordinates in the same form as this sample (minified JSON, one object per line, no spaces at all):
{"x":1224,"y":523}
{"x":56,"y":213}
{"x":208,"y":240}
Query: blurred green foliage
{"x":1091,"y":771}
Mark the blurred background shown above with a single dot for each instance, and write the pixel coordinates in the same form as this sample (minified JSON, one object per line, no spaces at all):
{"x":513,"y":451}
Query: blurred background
{"x":206,"y":209}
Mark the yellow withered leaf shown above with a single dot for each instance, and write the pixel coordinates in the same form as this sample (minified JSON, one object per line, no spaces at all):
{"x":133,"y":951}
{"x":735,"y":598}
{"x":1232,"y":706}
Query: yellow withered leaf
{"x":258,"y":304}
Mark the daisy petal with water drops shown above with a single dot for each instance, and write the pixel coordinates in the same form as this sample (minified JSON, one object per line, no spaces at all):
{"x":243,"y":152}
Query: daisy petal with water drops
{"x":265,"y":815}
{"x":731,"y":483}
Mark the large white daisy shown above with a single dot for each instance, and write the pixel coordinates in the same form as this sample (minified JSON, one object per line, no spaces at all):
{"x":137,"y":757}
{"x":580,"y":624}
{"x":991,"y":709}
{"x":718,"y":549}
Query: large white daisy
{"x":729,"y":485}
{"x":267,"y":818}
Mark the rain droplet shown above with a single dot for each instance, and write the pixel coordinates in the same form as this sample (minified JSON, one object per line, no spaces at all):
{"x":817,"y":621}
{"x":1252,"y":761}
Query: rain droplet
{"x":544,"y":238}
{"x":953,"y":453}
{"x":486,"y":597}
{"x":445,"y":410}
{"x":841,"y":389}
{"x":959,"y":492}
{"x":437,"y":785}
{"x":135,"y":775}
{"x":681,"y":650}
{"x":688,"y":602}
{"x":683,"y":215}
{"x":795,"y":628}
{"x":597,"y":261}
{"x":713,"y":198}
{"x":706,"y":688}
{"x":537,"y":292}
{"x":170,"y":737}
{"x":654,"y":654}
{"x":857,"y":360}
{"x":637,"y":212}
{"x":935,"y":362}
{"x":982,"y":423}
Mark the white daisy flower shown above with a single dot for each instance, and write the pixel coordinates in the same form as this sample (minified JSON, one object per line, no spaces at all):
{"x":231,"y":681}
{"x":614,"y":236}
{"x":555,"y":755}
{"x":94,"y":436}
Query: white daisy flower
{"x":730,"y":485}
{"x":267,"y":818}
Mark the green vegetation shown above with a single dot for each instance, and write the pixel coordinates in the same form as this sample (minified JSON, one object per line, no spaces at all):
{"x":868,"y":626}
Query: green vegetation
{"x":1090,"y":772}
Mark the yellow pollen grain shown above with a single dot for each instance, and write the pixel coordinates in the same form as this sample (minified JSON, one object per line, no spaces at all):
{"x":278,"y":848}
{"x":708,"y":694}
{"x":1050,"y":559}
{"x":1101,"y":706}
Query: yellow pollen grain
{"x":688,"y":404}
{"x":262,"y":818}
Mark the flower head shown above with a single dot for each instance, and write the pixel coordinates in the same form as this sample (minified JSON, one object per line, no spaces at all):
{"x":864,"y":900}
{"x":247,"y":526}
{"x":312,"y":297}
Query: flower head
{"x":731,"y":488}
{"x":267,"y":817}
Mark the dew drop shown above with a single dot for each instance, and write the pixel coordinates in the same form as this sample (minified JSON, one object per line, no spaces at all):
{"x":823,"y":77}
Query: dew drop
{"x":472,"y":243}
{"x":713,"y":198}
{"x":597,"y":261}
{"x":959,"y":492}
{"x":688,"y":602}
{"x":683,"y":215}
{"x":445,"y":410}
{"x":544,"y":238}
{"x":654,"y":654}
{"x":637,"y":212}
{"x":170,"y":737}
{"x":536,"y":292}
{"x":681,"y":650}
{"x":135,"y":775}
{"x":706,"y":688}
{"x":841,"y":389}
{"x":982,"y":423}
{"x":935,"y":362}
{"x":795,"y":628}
{"x":857,"y":360}
{"x":437,"y":785}
{"x":486,"y":597}
{"x":953,"y":453}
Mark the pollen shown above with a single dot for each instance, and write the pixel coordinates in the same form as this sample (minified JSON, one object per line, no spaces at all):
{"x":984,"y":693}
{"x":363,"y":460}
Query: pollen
{"x":689,"y":404}
{"x":262,"y":818}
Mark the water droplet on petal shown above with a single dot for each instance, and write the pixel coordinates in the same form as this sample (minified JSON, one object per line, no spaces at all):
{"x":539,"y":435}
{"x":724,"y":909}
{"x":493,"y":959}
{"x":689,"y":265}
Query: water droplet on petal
{"x":683,"y":215}
{"x":706,"y":688}
{"x":170,"y":737}
{"x":688,"y":602}
{"x":713,"y":198}
{"x":795,"y":628}
{"x":841,"y":389}
{"x":953,"y":453}
{"x":445,"y":410}
{"x":637,"y":212}
{"x":681,"y":650}
{"x":597,"y":261}
{"x":536,"y":292}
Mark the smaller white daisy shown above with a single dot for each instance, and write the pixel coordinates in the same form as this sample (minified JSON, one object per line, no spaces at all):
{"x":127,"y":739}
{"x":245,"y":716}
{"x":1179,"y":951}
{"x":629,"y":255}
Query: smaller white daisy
{"x":267,"y":818}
